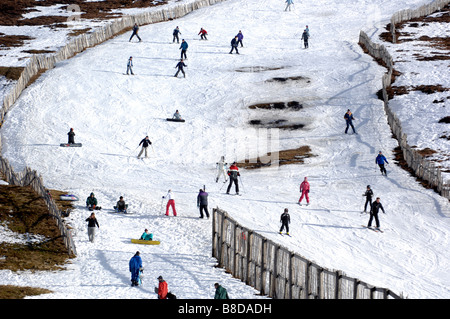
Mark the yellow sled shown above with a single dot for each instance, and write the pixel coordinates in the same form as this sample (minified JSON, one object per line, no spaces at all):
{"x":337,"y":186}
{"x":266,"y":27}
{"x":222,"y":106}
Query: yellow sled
{"x":145,"y":242}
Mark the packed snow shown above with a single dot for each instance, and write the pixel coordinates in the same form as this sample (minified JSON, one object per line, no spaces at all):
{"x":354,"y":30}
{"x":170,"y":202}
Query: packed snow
{"x":112,"y":112}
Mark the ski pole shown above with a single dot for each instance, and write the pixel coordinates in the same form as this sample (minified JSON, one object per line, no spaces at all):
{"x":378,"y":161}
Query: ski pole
{"x":243,"y":188}
{"x":162,"y":200}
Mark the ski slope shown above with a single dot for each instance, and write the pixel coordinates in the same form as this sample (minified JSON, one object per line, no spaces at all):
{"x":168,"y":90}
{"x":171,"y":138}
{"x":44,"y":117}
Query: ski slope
{"x":111,"y":112}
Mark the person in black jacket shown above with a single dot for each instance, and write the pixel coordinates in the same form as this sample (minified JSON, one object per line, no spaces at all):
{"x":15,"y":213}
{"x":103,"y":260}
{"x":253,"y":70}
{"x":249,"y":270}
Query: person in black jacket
{"x":92,"y":222}
{"x":176,"y":31}
{"x":71,"y":135}
{"x":368,"y":194}
{"x":285,"y":220}
{"x":234,"y":45}
{"x":202,"y":203}
{"x":145,"y":143}
{"x":135,"y":32}
{"x":376,"y":206}
{"x":180,"y":65}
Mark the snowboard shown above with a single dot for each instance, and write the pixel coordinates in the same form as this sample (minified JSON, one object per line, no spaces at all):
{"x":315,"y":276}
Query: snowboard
{"x":70,"y":144}
{"x":145,"y":242}
{"x":69,"y":197}
{"x":175,"y":120}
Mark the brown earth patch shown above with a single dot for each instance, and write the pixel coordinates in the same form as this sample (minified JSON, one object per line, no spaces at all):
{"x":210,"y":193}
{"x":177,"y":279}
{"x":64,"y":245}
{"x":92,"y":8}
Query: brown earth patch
{"x":7,"y":41}
{"x":15,"y":292}
{"x":256,"y":69}
{"x":38,"y":51}
{"x":11,"y":73}
{"x":427,"y":89}
{"x":294,"y":105}
{"x":285,"y":157}
{"x":445,"y":120}
{"x":290,"y":78}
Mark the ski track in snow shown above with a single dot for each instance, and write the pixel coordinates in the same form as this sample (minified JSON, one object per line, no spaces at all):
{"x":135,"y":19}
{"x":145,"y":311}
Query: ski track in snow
{"x":112,"y":112}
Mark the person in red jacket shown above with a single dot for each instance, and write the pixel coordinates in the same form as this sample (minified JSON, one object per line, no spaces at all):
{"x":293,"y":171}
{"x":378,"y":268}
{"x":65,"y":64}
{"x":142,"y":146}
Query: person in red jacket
{"x":203,"y":34}
{"x":162,"y":288}
{"x":233,"y":172}
{"x":304,"y":189}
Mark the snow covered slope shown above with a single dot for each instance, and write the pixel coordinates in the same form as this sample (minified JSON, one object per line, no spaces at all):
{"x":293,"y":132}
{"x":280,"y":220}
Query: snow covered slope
{"x":111,"y":112}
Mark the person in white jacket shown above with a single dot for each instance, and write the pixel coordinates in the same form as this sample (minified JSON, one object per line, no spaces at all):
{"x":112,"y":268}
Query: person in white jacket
{"x":221,"y":169}
{"x":170,"y":203}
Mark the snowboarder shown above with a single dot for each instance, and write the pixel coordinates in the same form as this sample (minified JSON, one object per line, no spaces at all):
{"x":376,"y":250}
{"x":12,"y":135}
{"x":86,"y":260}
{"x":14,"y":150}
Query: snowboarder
{"x":221,"y":169}
{"x":180,"y":65}
{"x":234,"y":45}
{"x":221,"y":292}
{"x":92,"y":222}
{"x":162,"y":289}
{"x":305,"y":37}
{"x":130,"y":66}
{"x":240,"y":37}
{"x":145,"y":143}
{"x":91,"y":202}
{"x":71,"y":135}
{"x":349,"y":119}
{"x":135,"y":32}
{"x":285,"y":219}
{"x":146,"y":235}
{"x":376,"y":206}
{"x":175,"y":33}
{"x":183,"y":47}
{"x":135,"y":266}
{"x":202,"y":203}
{"x":380,"y":160}
{"x":368,"y":194}
{"x":170,"y":203}
{"x":304,"y":189}
{"x":121,"y":206}
{"x":289,"y":3}
{"x":233,"y":172}
{"x":203,"y":34}
{"x":177,"y":115}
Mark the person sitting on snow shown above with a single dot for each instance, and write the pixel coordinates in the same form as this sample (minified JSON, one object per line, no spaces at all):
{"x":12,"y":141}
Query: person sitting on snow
{"x":146,"y":235}
{"x":177,"y":115}
{"x":91,"y":202}
{"x":121,"y":207}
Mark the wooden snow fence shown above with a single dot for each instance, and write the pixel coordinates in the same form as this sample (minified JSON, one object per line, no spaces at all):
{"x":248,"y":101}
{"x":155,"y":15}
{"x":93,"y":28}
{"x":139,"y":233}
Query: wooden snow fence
{"x":275,"y":271}
{"x":419,"y":164}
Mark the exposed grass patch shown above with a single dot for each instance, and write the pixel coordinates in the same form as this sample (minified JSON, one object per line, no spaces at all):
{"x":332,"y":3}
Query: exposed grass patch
{"x":11,"y":73}
{"x":291,"y":156}
{"x":25,"y":212}
{"x":15,"y":292}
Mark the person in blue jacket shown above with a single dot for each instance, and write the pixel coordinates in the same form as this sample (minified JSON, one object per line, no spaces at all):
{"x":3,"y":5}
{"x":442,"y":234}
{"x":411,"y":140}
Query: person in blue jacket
{"x":348,"y":119}
{"x":135,"y":32}
{"x":183,"y":47}
{"x":202,"y":203}
{"x":380,"y":160}
{"x":135,"y":266}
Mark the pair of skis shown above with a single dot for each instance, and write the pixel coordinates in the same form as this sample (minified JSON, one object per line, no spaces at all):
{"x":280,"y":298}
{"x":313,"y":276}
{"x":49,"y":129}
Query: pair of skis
{"x":375,"y":229}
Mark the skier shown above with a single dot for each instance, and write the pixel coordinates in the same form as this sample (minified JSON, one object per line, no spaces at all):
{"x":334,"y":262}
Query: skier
{"x":285,"y":219}
{"x":307,"y":31}
{"x":180,"y":65}
{"x":135,"y":266}
{"x":146,"y":235}
{"x":203,"y":34}
{"x":368,"y":194}
{"x":121,"y":206}
{"x":145,"y":143}
{"x":92,"y":222}
{"x":221,"y":169}
{"x":376,"y":206}
{"x":288,"y":6}
{"x":305,"y":37}
{"x":162,"y":289}
{"x":240,"y":37}
{"x":221,"y":293}
{"x":348,"y":119}
{"x":71,"y":135}
{"x":91,"y":202}
{"x":202,"y":203}
{"x":304,"y":189}
{"x":233,"y":172}
{"x":380,"y":160}
{"x":170,"y":203}
{"x":234,"y":44}
{"x":175,"y":33}
{"x":184,"y":46}
{"x":130,"y":65}
{"x":135,"y":32}
{"x":177,"y":115}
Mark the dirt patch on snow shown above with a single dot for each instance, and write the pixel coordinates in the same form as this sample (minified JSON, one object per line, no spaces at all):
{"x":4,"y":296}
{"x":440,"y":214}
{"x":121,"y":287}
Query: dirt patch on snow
{"x":291,"y":156}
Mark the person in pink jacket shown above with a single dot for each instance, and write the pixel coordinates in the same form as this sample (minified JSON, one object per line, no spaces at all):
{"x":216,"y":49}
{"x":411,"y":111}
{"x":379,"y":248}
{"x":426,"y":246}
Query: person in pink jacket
{"x":304,"y":189}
